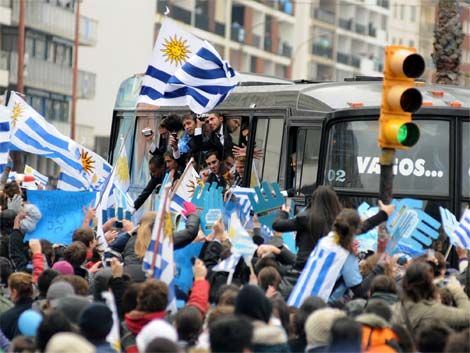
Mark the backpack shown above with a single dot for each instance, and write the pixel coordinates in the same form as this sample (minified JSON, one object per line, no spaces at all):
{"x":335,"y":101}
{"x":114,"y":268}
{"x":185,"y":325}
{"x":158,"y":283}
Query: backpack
{"x":379,"y":340}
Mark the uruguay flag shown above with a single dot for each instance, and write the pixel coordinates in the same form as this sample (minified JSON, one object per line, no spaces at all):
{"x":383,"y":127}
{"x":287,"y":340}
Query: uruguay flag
{"x":461,"y":233}
{"x":320,"y":272}
{"x":5,"y":114}
{"x":185,"y":71}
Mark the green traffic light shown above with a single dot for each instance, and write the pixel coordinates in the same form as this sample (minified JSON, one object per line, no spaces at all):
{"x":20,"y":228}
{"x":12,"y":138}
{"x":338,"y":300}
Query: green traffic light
{"x":408,"y":134}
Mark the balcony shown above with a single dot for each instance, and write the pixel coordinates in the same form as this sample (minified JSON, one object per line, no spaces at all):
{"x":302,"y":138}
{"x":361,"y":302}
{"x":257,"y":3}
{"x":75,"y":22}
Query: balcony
{"x":256,"y":40}
{"x":346,"y":24}
{"x":320,"y":50}
{"x":52,"y":77}
{"x":355,"y":61}
{"x":324,"y":16}
{"x":55,"y":20}
{"x":202,"y":21}
{"x":383,"y":3}
{"x":268,"y":44}
{"x":237,"y":34}
{"x":372,"y":30}
{"x":220,"y":29}
{"x":285,"y":50}
{"x":180,"y":14}
{"x":342,"y":58}
{"x":361,"y":29}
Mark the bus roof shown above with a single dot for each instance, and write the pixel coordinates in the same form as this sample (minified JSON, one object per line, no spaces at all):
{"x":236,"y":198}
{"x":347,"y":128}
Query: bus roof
{"x":257,"y":91}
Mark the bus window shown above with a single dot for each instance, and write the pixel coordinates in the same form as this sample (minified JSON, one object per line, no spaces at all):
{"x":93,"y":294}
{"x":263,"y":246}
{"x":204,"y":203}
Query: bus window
{"x":268,"y":141}
{"x":306,"y":160}
{"x":466,"y":159}
{"x":353,"y":159}
{"x":141,"y":151}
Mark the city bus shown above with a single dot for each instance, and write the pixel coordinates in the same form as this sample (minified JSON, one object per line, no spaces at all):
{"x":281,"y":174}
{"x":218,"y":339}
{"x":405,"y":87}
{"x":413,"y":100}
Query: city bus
{"x":324,"y":133}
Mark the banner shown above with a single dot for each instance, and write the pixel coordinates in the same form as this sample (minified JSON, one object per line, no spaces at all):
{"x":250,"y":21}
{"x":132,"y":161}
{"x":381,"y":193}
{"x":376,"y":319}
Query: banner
{"x":62,"y":213}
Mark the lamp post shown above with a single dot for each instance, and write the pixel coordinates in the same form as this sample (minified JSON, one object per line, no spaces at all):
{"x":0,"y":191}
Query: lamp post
{"x":75,"y":71}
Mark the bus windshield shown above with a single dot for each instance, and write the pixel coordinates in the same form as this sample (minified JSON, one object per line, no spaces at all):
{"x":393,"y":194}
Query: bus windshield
{"x":353,"y":159}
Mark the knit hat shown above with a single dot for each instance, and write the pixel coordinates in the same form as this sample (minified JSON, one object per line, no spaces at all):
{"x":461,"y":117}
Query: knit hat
{"x":59,"y":290}
{"x":72,"y":306}
{"x":318,"y":325}
{"x":252,"y":303}
{"x":155,"y":329}
{"x":63,"y":267}
{"x":67,"y":342}
{"x":32,"y":217}
{"x":96,"y":321}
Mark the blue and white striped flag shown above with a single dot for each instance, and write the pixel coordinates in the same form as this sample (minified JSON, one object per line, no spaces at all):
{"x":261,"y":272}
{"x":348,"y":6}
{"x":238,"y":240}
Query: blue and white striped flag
{"x":185,"y":71}
{"x":39,"y":178}
{"x":243,"y":199}
{"x":5,"y":115}
{"x":158,"y":260}
{"x":461,"y":233}
{"x":228,"y":264}
{"x":320,"y":272}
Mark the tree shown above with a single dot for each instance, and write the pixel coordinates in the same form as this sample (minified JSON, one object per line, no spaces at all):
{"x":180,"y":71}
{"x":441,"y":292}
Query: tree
{"x":448,"y":39}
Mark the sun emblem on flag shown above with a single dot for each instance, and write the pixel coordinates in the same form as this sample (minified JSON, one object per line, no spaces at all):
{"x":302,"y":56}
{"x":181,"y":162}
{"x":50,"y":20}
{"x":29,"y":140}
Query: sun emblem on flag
{"x":88,"y":164}
{"x":175,"y":50}
{"x":192,"y":185}
{"x":167,"y":225}
{"x":16,"y":113}
{"x":122,"y":169}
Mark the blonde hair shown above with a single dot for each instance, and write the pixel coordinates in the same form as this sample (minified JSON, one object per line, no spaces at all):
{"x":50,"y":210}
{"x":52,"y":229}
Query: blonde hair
{"x":144,"y":234}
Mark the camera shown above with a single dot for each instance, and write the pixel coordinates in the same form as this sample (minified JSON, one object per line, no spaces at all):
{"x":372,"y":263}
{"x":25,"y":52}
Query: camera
{"x":147,"y":132}
{"x":202,"y":117}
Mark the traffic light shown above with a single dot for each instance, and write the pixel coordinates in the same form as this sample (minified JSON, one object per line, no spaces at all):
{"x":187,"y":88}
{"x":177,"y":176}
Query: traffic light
{"x":400,"y":98}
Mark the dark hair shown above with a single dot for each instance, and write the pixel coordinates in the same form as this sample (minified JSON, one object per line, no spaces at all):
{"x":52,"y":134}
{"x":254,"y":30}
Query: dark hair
{"x":129,"y":299}
{"x":47,"y":251}
{"x":226,"y":294}
{"x":86,"y":235}
{"x":345,"y":225}
{"x":162,"y":345}
{"x":458,"y":342}
{"x":269,"y":276}
{"x":52,"y":323}
{"x":22,"y":344}
{"x":212,"y":153}
{"x":45,"y":280}
{"x":172,"y":123}
{"x":345,"y":336}
{"x":379,"y":308}
{"x":308,"y":306}
{"x":75,"y":254}
{"x":188,"y":323}
{"x":5,"y":270}
{"x":405,"y":341}
{"x":432,"y":336}
{"x":153,"y":296}
{"x":384,"y":284}
{"x":282,"y":309}
{"x":158,"y":161}
{"x":187,"y":117}
{"x":231,"y":334}
{"x":417,"y":283}
{"x":324,"y":206}
{"x":219,"y":312}
{"x":265,"y":262}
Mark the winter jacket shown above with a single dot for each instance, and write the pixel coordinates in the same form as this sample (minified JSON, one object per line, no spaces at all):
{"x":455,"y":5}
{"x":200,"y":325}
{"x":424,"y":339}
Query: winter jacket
{"x":306,"y":240}
{"x":18,"y":251}
{"x":9,"y":319}
{"x":199,"y":296}
{"x":133,"y":323}
{"x":377,"y":336}
{"x":389,"y":298}
{"x":432,"y":310}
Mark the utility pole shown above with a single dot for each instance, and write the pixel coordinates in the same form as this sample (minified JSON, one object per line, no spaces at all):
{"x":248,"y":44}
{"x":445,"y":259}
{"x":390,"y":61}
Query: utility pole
{"x":75,"y":71}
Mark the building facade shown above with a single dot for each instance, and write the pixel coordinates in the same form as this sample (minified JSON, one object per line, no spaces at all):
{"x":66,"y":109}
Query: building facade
{"x":48,"y":68}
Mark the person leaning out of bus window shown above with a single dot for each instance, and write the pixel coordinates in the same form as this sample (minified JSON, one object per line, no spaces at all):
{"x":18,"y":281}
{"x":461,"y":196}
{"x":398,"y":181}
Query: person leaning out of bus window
{"x":239,"y":171}
{"x":219,"y":138}
{"x":157,"y":172}
{"x":186,"y":146}
{"x":217,"y":172}
{"x":169,"y":125}
{"x":173,"y":165}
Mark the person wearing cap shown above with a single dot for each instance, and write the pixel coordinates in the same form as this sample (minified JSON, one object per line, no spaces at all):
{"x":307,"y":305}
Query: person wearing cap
{"x":318,"y":329}
{"x":96,"y":322}
{"x":57,"y":291}
{"x":68,"y":342}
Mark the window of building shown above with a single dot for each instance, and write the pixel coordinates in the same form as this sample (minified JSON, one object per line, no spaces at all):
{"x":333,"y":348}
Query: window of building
{"x":59,"y":54}
{"x":50,"y":51}
{"x":402,"y":12}
{"x":29,"y":46}
{"x":413,"y":13}
{"x":40,"y":48}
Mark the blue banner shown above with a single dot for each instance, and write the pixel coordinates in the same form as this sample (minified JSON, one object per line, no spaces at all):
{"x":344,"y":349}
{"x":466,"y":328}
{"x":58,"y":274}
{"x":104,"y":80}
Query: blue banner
{"x":62,"y":213}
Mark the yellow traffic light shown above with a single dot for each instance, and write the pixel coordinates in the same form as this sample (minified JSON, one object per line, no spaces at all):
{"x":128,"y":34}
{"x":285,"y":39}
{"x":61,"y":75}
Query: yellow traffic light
{"x":400,"y":98}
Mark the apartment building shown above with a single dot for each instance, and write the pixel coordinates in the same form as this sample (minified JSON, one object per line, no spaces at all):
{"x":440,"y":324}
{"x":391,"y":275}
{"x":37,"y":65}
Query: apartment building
{"x":255,"y":36}
{"x":48,"y":62}
{"x":465,"y":63}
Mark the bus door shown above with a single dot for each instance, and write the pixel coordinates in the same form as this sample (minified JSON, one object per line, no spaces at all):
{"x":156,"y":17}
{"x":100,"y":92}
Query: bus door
{"x":303,"y":151}
{"x":464,"y":147}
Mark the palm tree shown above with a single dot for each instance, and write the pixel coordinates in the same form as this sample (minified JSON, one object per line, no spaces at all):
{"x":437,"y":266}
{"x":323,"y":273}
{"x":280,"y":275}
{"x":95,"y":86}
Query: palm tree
{"x":448,"y":39}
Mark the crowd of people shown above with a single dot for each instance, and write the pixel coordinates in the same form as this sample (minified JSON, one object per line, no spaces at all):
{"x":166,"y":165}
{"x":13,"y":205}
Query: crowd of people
{"x":55,"y":297}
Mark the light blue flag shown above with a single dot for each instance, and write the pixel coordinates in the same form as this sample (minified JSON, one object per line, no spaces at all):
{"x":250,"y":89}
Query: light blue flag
{"x":5,"y":114}
{"x":461,"y":233}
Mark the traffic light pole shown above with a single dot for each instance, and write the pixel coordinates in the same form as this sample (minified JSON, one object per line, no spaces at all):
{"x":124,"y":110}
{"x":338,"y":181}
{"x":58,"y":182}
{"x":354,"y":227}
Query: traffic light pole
{"x":386,"y":175}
